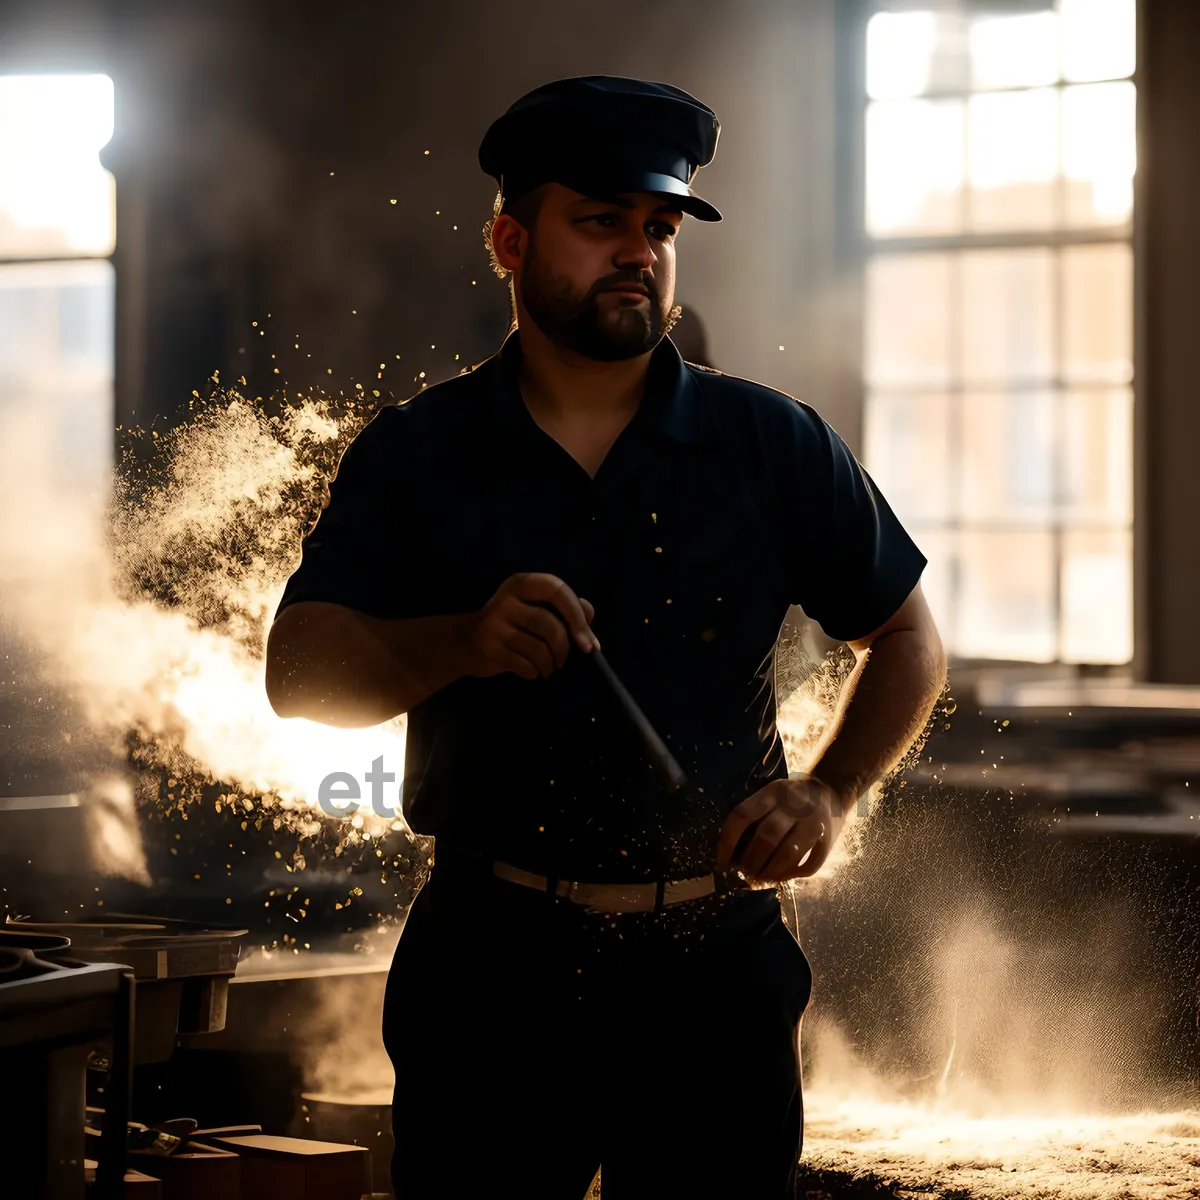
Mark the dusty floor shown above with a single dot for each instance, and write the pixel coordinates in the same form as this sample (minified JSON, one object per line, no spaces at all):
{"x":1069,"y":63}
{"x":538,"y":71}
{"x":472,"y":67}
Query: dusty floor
{"x":872,"y":1151}
{"x":908,"y":1151}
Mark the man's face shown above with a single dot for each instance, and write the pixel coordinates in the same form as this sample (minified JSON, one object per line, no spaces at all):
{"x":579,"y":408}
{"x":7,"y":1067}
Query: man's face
{"x":599,"y":275}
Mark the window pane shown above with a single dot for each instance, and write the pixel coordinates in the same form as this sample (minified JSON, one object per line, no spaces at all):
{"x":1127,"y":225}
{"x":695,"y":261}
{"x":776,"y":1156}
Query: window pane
{"x":907,"y":452}
{"x":1013,"y":159}
{"x":1007,"y":459}
{"x":1097,"y":456}
{"x":899,"y":53}
{"x":1006,"y":604}
{"x":55,"y":197}
{"x":1007,"y":316}
{"x":1098,"y":314}
{"x":907,"y":324}
{"x":1098,"y":39}
{"x":1018,"y":488}
{"x":1097,"y":596}
{"x":914,"y":167}
{"x":56,"y":337}
{"x":1020,"y":51}
{"x":1099,"y":153}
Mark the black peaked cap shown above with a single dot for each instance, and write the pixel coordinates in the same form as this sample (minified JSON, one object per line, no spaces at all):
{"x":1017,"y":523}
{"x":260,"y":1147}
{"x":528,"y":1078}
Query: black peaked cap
{"x":602,"y":135}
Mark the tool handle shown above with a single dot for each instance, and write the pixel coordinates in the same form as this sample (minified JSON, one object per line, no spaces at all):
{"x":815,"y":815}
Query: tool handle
{"x":664,"y":761}
{"x":662,"y":758}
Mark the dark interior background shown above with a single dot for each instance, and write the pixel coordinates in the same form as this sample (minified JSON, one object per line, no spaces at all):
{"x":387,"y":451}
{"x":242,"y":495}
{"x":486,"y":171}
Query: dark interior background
{"x":260,"y":149}
{"x":261,"y":145}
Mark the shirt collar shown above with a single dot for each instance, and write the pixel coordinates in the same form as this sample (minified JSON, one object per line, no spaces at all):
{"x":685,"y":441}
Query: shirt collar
{"x":675,"y":405}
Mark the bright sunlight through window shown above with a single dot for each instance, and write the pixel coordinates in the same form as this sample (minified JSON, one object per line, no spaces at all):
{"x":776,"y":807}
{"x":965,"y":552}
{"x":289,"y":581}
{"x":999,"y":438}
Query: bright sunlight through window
{"x":1000,"y":155}
{"x":57,"y":215}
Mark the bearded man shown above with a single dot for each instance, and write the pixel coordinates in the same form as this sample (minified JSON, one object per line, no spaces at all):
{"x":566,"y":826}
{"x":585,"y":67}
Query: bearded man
{"x":588,"y":979}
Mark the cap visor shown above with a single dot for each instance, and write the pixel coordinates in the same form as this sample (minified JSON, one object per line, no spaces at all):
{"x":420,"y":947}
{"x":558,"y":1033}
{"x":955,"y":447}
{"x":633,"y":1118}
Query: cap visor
{"x":671,"y":189}
{"x":696,"y":207}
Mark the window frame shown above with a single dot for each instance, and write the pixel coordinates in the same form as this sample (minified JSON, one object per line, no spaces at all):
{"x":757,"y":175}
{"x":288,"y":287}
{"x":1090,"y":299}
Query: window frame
{"x":857,"y":247}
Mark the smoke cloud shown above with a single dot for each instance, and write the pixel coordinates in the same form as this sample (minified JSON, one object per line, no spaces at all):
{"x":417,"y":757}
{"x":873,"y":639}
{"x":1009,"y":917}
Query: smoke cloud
{"x":150,"y":615}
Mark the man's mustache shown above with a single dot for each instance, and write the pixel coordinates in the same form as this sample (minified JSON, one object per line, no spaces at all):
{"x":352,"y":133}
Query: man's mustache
{"x":625,"y":280}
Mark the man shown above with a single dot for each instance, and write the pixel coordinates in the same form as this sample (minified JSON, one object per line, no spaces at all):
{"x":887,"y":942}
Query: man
{"x":587,"y":979}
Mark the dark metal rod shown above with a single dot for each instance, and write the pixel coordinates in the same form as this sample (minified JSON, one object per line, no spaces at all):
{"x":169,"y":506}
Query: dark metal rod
{"x":662,"y":758}
{"x":110,"y":1170}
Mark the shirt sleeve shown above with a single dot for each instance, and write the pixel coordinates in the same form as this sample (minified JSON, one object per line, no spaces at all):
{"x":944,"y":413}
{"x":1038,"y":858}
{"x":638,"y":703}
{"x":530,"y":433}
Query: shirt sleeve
{"x":364,"y":552}
{"x":853,"y":563}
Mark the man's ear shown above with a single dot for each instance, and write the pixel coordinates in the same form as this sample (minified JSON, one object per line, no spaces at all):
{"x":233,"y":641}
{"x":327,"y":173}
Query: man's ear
{"x":509,"y":239}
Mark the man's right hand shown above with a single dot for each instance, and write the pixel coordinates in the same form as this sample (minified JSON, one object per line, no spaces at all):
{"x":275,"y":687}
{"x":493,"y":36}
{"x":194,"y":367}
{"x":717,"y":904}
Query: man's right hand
{"x":527,"y":627}
{"x":333,"y":664}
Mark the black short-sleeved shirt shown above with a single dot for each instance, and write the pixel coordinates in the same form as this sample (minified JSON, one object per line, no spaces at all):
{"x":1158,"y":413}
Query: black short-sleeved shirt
{"x":720,"y":504}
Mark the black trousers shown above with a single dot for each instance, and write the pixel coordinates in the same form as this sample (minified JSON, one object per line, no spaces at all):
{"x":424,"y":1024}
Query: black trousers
{"x":534,"y":1042}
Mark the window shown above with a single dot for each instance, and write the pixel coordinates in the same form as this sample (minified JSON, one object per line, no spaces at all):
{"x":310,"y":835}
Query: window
{"x":56,"y":283}
{"x":1000,"y":152}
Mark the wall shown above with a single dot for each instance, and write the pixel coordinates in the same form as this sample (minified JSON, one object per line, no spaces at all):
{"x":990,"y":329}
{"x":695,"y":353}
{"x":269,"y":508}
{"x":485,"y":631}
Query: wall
{"x":233,"y":117}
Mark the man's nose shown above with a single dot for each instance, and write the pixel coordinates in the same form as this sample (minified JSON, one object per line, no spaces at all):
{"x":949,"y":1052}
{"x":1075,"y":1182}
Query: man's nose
{"x":635,"y":250}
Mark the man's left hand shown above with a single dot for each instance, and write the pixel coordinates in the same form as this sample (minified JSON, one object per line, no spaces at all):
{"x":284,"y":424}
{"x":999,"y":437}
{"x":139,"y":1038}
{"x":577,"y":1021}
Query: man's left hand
{"x":791,"y":818}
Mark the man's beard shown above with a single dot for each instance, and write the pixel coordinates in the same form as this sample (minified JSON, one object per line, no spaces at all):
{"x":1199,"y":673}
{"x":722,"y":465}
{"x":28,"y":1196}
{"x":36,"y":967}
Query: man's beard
{"x":577,"y":321}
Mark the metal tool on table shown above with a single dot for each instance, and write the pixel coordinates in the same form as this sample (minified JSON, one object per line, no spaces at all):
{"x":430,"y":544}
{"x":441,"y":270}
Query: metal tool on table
{"x":53,"y":1010}
{"x":182,"y":969}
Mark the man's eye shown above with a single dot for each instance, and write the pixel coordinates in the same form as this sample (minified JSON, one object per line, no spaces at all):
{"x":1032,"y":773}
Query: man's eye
{"x":663,"y":230}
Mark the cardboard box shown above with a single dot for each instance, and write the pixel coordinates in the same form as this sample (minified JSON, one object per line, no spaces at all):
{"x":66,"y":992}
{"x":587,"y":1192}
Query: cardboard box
{"x":137,"y":1185}
{"x":194,"y":1174}
{"x":283,"y":1168}
{"x":142,"y":1187}
{"x":203,"y":1135}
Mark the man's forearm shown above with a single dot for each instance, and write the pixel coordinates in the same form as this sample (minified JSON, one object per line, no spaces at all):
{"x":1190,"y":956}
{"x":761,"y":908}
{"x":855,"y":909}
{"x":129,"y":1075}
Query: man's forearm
{"x":341,"y":667}
{"x":882,"y":710}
